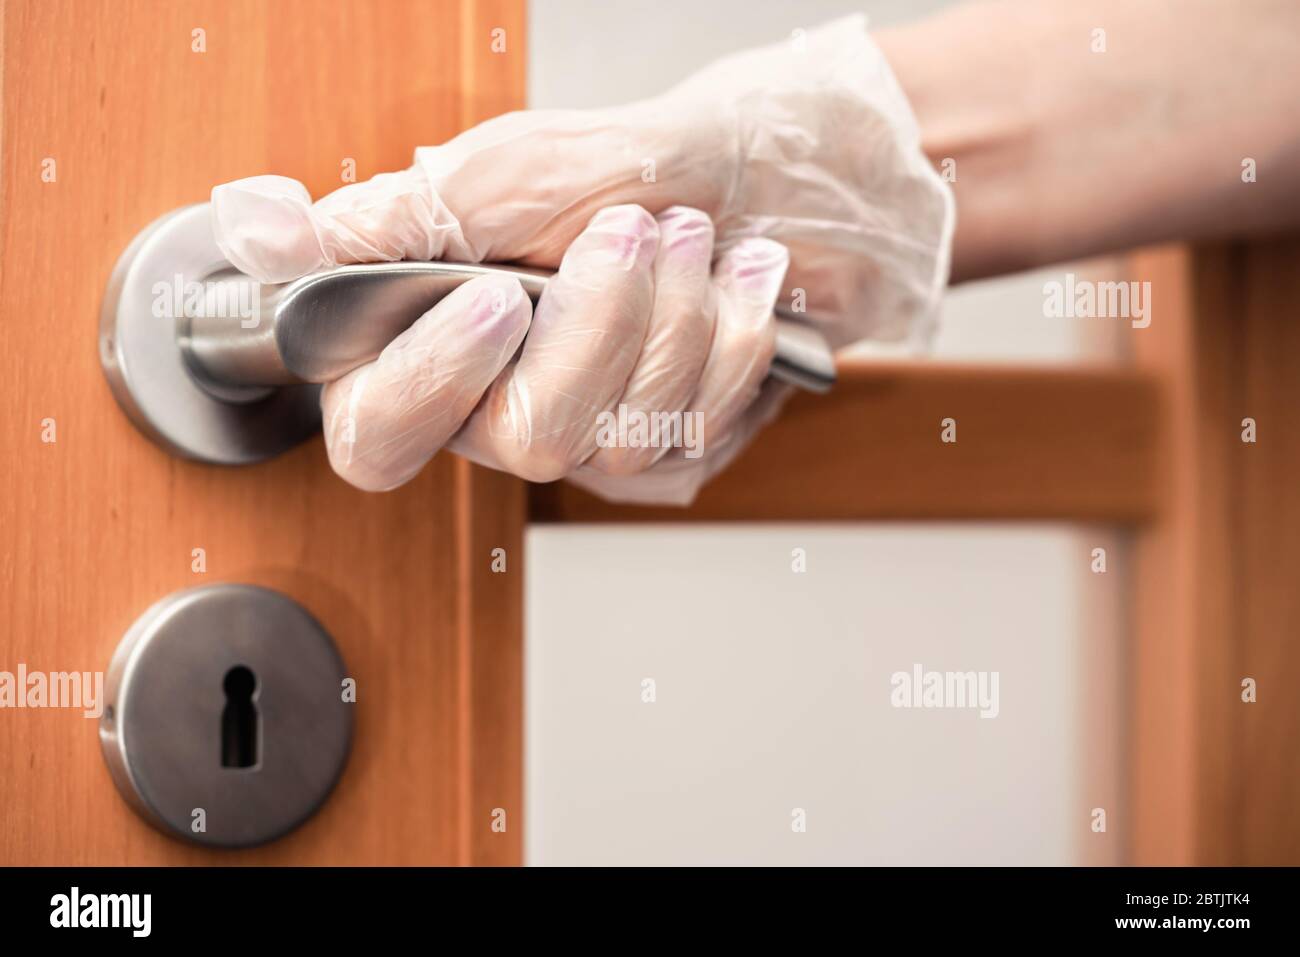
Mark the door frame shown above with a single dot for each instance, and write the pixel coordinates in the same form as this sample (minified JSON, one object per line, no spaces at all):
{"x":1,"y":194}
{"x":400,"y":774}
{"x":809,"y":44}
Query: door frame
{"x":1151,"y":446}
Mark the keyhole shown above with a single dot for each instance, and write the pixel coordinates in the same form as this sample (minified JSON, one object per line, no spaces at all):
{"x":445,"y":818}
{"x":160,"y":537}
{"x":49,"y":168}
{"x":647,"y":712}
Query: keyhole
{"x":239,"y":730}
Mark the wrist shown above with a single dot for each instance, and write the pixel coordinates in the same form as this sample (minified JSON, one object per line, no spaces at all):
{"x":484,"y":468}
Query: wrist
{"x":977,"y":122}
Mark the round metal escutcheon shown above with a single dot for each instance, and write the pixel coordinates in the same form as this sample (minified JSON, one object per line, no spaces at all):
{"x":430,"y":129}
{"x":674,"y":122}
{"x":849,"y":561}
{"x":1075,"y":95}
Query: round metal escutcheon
{"x":141,"y":332}
{"x":225,"y":719}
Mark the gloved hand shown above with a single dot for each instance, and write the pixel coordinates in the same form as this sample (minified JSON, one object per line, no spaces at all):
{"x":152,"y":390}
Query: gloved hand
{"x":670,"y":220}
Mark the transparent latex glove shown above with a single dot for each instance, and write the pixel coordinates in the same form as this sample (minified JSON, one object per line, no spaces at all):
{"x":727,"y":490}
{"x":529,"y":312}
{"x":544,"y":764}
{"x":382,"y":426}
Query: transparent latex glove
{"x":639,"y":322}
{"x":809,"y":143}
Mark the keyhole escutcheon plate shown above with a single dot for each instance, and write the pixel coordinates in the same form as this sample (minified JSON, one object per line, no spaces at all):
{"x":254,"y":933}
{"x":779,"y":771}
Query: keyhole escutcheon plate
{"x":226,"y":720}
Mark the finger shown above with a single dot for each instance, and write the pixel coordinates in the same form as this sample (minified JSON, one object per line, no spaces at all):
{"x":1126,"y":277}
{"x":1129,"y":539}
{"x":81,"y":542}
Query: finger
{"x":733,"y":399}
{"x":676,"y":345}
{"x":748,"y":279}
{"x":386,"y":419}
{"x":540,"y":418}
{"x":267,"y":226}
{"x":677,"y":478}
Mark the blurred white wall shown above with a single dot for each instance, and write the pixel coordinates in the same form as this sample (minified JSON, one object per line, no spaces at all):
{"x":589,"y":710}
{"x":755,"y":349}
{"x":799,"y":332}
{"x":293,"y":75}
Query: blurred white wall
{"x":773,"y":692}
{"x":773,"y":687}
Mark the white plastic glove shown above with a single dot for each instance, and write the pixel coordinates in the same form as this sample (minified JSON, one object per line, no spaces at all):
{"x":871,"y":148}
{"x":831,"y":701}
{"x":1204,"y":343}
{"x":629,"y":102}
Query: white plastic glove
{"x":807,"y":146}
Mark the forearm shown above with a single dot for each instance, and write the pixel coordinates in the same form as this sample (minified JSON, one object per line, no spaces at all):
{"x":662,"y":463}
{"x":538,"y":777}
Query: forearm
{"x":1061,"y":152}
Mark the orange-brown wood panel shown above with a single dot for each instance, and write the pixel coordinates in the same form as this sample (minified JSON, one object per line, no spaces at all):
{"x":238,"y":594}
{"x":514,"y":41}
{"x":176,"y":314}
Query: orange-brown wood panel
{"x":1164,"y":603}
{"x":490,"y":549}
{"x":99,"y":523}
{"x":1266,"y":504}
{"x":1216,"y":780}
{"x":1032,"y":443}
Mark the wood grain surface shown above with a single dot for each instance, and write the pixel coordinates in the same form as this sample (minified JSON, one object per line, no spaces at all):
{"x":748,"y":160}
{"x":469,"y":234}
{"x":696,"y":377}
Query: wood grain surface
{"x":98,"y":524}
{"x":1215,"y":779}
{"x":1032,"y":443}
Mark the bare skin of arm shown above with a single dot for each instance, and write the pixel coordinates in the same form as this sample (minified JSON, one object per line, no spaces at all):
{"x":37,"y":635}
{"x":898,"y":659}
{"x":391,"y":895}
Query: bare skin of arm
{"x":1063,"y":151}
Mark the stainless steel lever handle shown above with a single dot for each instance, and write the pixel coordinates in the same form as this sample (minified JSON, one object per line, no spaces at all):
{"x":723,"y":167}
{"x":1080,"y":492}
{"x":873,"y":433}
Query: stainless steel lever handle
{"x":317,"y":328}
{"x":216,"y":367}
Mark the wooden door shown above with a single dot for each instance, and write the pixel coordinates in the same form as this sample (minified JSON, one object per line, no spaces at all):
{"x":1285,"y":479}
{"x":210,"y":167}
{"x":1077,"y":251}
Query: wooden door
{"x":112,"y":116}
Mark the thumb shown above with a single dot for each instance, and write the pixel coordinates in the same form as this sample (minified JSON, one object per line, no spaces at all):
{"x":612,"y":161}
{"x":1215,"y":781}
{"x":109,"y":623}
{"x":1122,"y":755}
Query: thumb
{"x":519,"y":187}
{"x":268,"y":228}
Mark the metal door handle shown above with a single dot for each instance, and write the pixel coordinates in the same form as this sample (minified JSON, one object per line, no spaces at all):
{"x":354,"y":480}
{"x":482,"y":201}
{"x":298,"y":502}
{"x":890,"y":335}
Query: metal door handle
{"x":215,"y":366}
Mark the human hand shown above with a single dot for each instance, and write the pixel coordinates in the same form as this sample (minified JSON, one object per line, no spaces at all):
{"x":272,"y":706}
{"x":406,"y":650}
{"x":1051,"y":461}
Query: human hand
{"x":809,"y":150}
